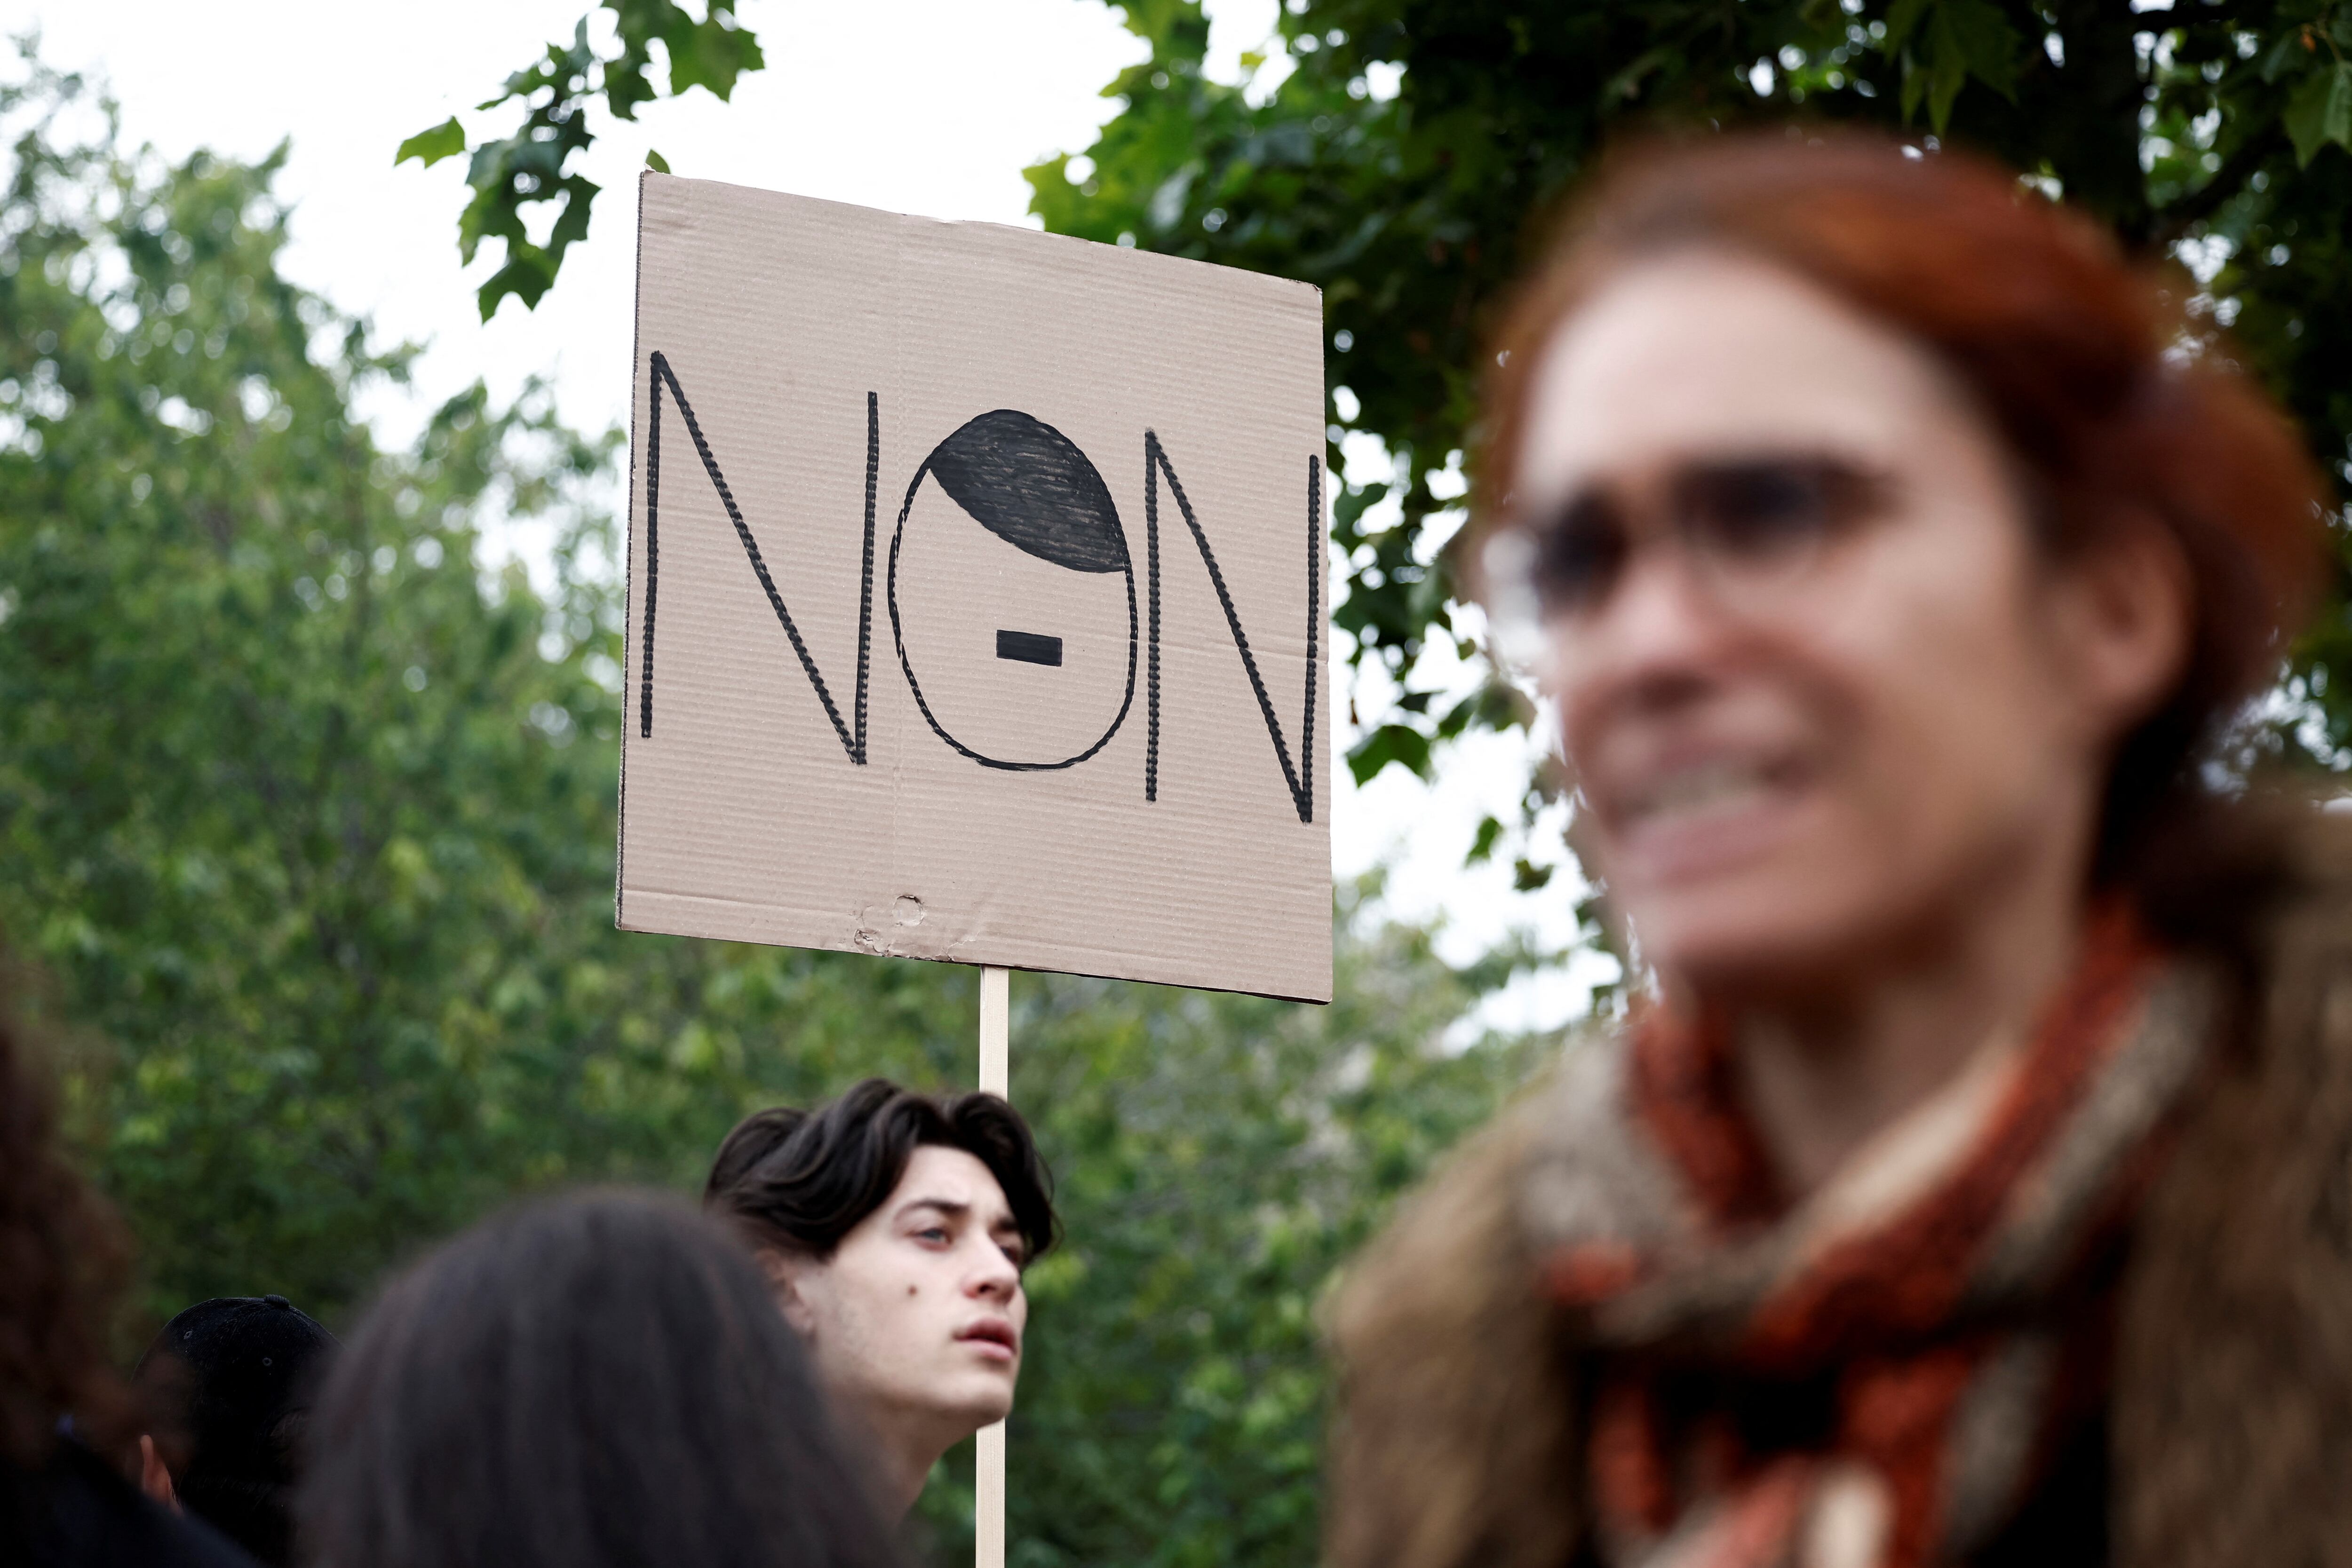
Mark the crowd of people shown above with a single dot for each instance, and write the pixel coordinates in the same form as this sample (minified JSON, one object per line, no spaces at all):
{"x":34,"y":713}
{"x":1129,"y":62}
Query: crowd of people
{"x":1968,"y":1184}
{"x":610,"y":1376}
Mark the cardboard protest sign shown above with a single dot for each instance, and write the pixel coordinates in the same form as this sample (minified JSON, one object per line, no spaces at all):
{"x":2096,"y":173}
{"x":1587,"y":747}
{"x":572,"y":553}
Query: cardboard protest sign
{"x":975,"y":597}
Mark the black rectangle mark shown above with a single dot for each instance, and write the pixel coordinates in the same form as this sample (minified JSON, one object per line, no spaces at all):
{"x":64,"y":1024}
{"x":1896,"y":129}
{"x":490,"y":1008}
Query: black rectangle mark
{"x":1029,"y":648}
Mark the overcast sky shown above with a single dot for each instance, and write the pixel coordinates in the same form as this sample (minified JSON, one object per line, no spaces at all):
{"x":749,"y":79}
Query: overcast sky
{"x":921,"y":105}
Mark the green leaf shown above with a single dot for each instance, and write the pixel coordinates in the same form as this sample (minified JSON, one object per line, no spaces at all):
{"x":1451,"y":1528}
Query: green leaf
{"x":710,"y":54}
{"x":526,"y":276}
{"x":1482,"y":847}
{"x":1987,"y":44}
{"x":1348,"y":507}
{"x":1940,"y":44}
{"x":531,"y":165}
{"x":1626,"y":85}
{"x":716,"y":53}
{"x":1901,"y":18}
{"x":445,"y":139}
{"x":571,"y":223}
{"x":1914,"y":87}
{"x":2290,"y":51}
{"x":1945,"y":79}
{"x":1962,"y":38}
{"x":1390,"y":743}
{"x":2319,"y":111}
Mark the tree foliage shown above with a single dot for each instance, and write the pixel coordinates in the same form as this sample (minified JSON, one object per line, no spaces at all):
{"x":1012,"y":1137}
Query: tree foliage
{"x":511,"y":173}
{"x":1411,"y":154}
{"x":310,"y":818}
{"x":1411,"y":160}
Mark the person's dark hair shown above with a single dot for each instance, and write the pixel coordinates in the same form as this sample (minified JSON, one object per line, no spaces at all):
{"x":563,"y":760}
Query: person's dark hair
{"x":2121,"y":408}
{"x":64,"y":1261}
{"x":595,"y":1381}
{"x":229,"y":1382}
{"x":801,"y":1180}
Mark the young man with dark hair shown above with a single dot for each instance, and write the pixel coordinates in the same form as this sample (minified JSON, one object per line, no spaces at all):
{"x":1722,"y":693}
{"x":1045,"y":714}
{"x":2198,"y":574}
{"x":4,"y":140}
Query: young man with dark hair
{"x":894,"y":1228}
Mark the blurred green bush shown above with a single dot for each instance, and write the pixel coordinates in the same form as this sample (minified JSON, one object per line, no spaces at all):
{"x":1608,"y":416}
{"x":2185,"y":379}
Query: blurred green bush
{"x":310,"y":820}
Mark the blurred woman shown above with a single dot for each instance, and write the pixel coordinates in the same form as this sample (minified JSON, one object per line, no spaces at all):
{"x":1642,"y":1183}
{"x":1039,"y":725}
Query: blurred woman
{"x":69,"y":1424}
{"x":1971,"y":1184}
{"x":589,"y":1382}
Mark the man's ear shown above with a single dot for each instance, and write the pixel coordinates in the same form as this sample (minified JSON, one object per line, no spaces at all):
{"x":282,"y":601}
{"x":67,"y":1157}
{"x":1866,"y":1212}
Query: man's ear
{"x":788,"y":1276}
{"x":154,"y":1476}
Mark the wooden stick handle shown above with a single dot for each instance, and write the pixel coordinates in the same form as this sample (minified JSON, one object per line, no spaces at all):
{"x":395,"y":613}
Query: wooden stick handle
{"x":988,"y":1500}
{"x":996,"y":1078}
{"x":995,"y":1020}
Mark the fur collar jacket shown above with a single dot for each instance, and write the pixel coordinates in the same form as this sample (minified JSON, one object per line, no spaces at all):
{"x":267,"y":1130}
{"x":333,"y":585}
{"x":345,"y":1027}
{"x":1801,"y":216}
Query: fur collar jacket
{"x":1463,"y":1431}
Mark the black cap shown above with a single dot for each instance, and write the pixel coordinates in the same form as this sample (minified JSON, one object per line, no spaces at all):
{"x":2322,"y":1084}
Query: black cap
{"x":241,"y":1370}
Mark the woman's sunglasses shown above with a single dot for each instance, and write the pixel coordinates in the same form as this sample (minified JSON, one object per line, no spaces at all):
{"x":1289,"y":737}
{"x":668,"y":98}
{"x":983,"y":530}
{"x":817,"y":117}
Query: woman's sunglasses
{"x":1746,"y":527}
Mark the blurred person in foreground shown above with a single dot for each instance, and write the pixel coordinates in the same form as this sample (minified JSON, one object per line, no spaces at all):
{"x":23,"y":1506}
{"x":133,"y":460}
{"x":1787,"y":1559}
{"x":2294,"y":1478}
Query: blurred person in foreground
{"x":69,"y":1424}
{"x":595,"y":1381}
{"x":1971,"y":1184}
{"x":228,"y":1385}
{"x":894,"y":1228}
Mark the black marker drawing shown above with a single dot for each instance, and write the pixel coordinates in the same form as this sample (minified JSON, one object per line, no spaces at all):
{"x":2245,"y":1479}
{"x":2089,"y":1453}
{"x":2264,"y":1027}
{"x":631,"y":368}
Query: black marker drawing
{"x":1029,"y":485}
{"x":1029,"y":648}
{"x":852,"y":742}
{"x":1301,"y":780}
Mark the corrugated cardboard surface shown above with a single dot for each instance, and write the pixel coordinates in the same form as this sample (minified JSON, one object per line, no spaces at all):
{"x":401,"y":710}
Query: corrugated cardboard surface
{"x":815,"y":343}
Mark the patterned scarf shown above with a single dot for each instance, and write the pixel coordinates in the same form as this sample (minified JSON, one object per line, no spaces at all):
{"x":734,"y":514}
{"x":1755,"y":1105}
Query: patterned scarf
{"x":1878,"y":1376}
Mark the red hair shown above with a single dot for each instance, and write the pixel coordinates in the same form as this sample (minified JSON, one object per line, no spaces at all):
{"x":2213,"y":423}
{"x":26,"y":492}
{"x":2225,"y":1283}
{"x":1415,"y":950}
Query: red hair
{"x":64,"y":1260}
{"x":2121,"y":408}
